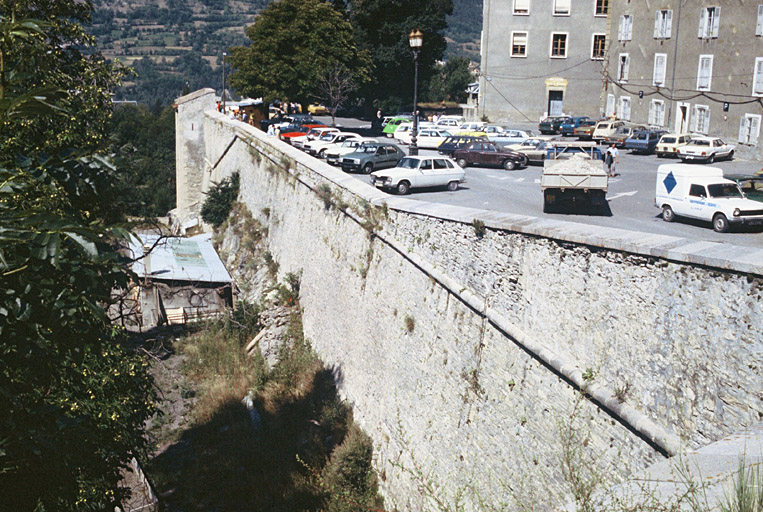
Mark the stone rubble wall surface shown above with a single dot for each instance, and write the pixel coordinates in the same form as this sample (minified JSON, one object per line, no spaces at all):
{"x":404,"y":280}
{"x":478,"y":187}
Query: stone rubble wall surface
{"x":446,"y":394}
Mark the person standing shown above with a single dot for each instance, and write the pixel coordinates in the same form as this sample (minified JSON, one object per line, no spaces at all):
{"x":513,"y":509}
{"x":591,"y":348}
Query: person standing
{"x":611,"y":159}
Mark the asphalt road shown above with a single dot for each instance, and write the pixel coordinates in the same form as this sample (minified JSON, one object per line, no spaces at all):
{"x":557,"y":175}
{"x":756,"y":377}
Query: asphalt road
{"x":630,"y":197}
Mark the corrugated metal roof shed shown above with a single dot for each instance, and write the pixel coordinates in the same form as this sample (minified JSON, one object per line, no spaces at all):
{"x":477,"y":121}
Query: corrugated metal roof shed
{"x":179,"y":259}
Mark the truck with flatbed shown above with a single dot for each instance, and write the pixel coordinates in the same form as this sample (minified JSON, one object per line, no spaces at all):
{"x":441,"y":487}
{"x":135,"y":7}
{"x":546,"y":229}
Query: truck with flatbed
{"x":572,"y":182}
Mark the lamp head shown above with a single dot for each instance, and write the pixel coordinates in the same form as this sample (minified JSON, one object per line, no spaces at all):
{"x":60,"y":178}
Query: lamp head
{"x":415,"y":39}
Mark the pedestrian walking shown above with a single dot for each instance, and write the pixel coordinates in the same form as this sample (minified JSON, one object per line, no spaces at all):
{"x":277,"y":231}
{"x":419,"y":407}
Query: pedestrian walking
{"x":611,"y":159}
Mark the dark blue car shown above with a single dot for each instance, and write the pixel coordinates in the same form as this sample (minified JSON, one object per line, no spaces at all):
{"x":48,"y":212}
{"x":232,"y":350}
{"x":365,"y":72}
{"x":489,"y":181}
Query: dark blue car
{"x":643,"y":141}
{"x":569,"y":126}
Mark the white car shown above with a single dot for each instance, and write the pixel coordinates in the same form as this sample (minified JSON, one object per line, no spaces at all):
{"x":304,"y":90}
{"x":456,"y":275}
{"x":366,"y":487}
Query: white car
{"x":705,"y":149}
{"x":334,"y":155}
{"x":449,"y":122}
{"x":470,"y":127}
{"x":508,"y":136}
{"x":314,"y":133}
{"x":670,"y":142}
{"x":420,"y":171}
{"x":427,"y":138}
{"x":326,"y":141}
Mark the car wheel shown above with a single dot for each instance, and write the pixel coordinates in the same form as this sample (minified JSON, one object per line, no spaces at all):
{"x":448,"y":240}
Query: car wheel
{"x":462,"y":162}
{"x":667,"y":214}
{"x":525,"y":161}
{"x":731,"y":155}
{"x":509,"y":165}
{"x":711,"y":159}
{"x":322,"y":153}
{"x":403,"y":187}
{"x":720,"y":223}
{"x":368,"y":168}
{"x":453,"y":186}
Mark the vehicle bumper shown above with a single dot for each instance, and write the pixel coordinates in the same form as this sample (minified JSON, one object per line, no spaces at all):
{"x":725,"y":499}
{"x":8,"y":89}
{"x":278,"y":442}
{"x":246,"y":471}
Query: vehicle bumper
{"x":350,"y":167}
{"x":694,"y":157}
{"x":746,"y":221}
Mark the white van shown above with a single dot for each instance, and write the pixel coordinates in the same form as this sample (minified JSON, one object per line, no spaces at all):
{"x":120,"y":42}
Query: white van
{"x":703,"y":193}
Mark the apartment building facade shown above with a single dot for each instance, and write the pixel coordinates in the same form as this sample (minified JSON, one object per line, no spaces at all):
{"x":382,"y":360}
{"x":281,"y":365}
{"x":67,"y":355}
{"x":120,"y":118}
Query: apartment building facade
{"x":542,"y":57}
{"x":688,"y":66}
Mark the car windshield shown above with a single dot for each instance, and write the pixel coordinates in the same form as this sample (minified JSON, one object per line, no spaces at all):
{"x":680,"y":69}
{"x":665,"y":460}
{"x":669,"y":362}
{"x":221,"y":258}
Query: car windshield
{"x":327,"y":136}
{"x":724,"y":190}
{"x":701,"y":142}
{"x":409,"y":163}
{"x":668,"y":140}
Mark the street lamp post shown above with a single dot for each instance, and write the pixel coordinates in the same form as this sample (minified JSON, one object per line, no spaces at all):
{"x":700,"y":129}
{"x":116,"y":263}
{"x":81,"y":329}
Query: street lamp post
{"x":415,"y":39}
{"x":223,"y":93}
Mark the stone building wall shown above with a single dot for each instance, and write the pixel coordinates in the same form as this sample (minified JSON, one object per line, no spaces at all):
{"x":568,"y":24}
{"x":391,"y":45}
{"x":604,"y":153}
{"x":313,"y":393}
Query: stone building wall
{"x":463,"y":355}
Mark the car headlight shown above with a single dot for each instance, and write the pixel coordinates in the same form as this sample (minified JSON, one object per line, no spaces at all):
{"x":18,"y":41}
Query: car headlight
{"x":737,"y":212}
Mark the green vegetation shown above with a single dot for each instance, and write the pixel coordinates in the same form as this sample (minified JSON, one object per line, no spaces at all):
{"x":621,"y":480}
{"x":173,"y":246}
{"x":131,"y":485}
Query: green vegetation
{"x":301,"y":452}
{"x":75,"y":395}
{"x":449,"y":81}
{"x":294,"y":44}
{"x":219,"y":202}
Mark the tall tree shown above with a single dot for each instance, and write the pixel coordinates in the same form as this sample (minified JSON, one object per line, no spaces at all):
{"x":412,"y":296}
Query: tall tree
{"x":382,"y":28}
{"x":73,"y":396}
{"x":450,"y":80}
{"x":294,"y":43}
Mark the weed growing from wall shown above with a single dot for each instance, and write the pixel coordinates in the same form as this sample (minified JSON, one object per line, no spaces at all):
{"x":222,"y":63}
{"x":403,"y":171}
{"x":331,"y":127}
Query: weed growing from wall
{"x":219,"y":201}
{"x":479,"y":228}
{"x":410,"y":323}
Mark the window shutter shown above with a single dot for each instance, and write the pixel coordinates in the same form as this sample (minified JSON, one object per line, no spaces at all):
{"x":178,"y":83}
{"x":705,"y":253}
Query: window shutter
{"x":652,"y":108}
{"x":759,"y":26}
{"x":716,"y":21}
{"x":693,"y":124}
{"x":621,"y":29}
{"x":626,"y":65}
{"x":758,"y":80}
{"x":661,"y":110}
{"x":705,"y":72}
{"x":742,"y":130}
{"x":657,"y":22}
{"x":562,"y":6}
{"x":659,"y":69}
{"x":521,"y":5}
{"x":629,"y":28}
{"x":610,"y":104}
{"x":668,"y":24}
{"x":702,"y":21}
{"x":754,"y":129}
{"x":627,"y":109}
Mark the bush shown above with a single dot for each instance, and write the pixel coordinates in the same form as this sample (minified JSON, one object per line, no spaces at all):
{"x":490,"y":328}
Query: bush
{"x":219,"y":202}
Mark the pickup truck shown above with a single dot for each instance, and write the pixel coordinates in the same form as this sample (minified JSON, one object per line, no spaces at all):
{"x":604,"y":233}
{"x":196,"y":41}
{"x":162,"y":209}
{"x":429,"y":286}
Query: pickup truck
{"x":574,"y":181}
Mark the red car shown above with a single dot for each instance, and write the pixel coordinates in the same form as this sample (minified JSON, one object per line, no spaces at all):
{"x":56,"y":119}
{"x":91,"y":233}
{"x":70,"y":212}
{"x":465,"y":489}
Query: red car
{"x":292,"y":131}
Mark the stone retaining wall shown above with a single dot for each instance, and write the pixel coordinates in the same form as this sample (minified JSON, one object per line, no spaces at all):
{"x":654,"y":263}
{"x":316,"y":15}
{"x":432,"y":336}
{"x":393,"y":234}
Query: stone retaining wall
{"x":463,"y":355}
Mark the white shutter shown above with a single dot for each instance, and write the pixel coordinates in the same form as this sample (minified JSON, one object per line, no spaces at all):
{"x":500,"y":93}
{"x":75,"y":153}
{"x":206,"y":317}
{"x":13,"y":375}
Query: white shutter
{"x":659,"y":69}
{"x":742,"y":130}
{"x":705,"y":72}
{"x":629,"y":28}
{"x":668,"y":24}
{"x":702,"y":22}
{"x":610,"y":105}
{"x":621,"y":29}
{"x":716,"y":22}
{"x":652,"y":112}
{"x":757,"y":88}
{"x":522,"y":6}
{"x":754,"y":129}
{"x":627,"y":109}
{"x":626,"y":65}
{"x":657,"y":23}
{"x":693,"y":124}
{"x":759,"y":26}
{"x":562,"y":6}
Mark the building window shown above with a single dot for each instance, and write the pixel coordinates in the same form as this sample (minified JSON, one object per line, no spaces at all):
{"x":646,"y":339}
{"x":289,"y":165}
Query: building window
{"x":663,"y":23}
{"x":624,"y":108}
{"x":625,"y":30}
{"x":657,"y":113}
{"x":759,"y":26}
{"x":757,"y":82}
{"x":602,"y":7}
{"x":519,"y":44}
{"x":658,"y":77}
{"x":704,"y":72}
{"x":623,"y":63}
{"x":562,"y":7}
{"x":522,"y":7}
{"x":709,"y":18}
{"x":701,"y":121}
{"x":558,"y":45}
{"x":610,"y":106}
{"x":599,"y":45}
{"x":749,"y":129}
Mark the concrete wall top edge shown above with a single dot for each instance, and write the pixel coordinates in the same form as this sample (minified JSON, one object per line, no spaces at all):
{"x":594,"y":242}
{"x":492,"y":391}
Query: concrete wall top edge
{"x":192,"y":96}
{"x":724,"y":256}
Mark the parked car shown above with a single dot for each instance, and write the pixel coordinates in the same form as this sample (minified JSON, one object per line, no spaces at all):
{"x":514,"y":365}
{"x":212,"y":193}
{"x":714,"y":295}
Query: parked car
{"x":470,"y":127}
{"x":643,"y":141}
{"x":605,"y":128}
{"x":621,"y":134}
{"x":317,"y":109}
{"x":552,"y":125}
{"x":567,"y":128}
{"x":751,"y":184}
{"x":670,"y":142}
{"x":584,"y":131}
{"x":312,"y":134}
{"x":704,"y":194}
{"x":534,"y":148}
{"x":427,"y":138}
{"x":484,"y":152}
{"x":368,"y":157}
{"x":393,"y":124}
{"x":448,"y":122}
{"x":510,"y":136}
{"x":420,"y":171}
{"x":454,"y":142}
{"x":334,"y":155}
{"x":705,"y":149}
{"x":326,"y":141}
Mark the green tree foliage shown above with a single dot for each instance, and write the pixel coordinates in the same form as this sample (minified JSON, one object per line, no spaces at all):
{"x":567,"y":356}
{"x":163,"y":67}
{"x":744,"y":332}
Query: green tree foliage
{"x":293,"y":43}
{"x":449,"y":81}
{"x":382,"y":28}
{"x":73,"y":395}
{"x":143,"y":145}
{"x":60,"y":58}
{"x":219,"y":202}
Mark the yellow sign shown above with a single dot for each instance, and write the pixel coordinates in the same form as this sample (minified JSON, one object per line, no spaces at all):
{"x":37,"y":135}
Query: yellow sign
{"x":555,"y":83}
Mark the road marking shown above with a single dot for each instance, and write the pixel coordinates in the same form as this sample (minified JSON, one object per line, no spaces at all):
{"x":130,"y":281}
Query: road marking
{"x":537,"y":180}
{"x":623,"y":194}
{"x":519,"y":180}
